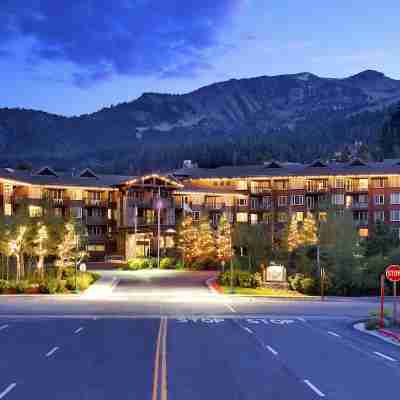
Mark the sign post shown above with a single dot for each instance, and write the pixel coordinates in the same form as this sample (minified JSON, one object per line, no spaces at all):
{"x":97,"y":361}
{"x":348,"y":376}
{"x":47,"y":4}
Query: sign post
{"x":382,"y":316}
{"x":393,"y":274}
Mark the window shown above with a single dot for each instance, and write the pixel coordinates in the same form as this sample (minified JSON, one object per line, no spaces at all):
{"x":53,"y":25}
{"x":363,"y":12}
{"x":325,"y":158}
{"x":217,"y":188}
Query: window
{"x":396,"y":233}
{"x":395,"y":215}
{"x":266,"y":202}
{"x":58,"y":212}
{"x":35,"y":211}
{"x":322,"y":216}
{"x":267,"y":218}
{"x":378,"y":182}
{"x":379,"y":199}
{"x":363,"y":184}
{"x":297,"y":200}
{"x":339,"y":183}
{"x":196,"y":215}
{"x":254,"y":203}
{"x":215,"y":218}
{"x":7,"y":209}
{"x":299,"y":216}
{"x":241,"y":185}
{"x":281,"y":185}
{"x":109,"y":214}
{"x":282,"y":217}
{"x":395,"y":198}
{"x":242,"y":202}
{"x":379,"y":216}
{"x":241,"y":217}
{"x":253,"y":218}
{"x":76,"y":212}
{"x":338,"y":199}
{"x":282,"y":201}
{"x":363,"y":232}
{"x":95,"y":247}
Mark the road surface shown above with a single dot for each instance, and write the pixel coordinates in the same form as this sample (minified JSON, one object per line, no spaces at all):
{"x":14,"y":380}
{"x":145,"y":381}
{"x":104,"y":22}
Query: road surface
{"x":183,"y":343}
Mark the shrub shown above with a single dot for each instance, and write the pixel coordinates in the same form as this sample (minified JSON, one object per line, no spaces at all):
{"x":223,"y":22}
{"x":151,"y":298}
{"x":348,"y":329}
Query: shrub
{"x":243,"y":279}
{"x":179,"y":265}
{"x":49,"y":286}
{"x":167,"y":263}
{"x":295,"y":281}
{"x":4,"y":286}
{"x":21,"y":286}
{"x":307,"y":286}
{"x":135,"y":264}
{"x":83,"y":281}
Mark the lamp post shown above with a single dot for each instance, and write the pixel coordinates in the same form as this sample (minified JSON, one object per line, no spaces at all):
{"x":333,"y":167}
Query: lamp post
{"x":76,"y":262}
{"x":159,"y":206}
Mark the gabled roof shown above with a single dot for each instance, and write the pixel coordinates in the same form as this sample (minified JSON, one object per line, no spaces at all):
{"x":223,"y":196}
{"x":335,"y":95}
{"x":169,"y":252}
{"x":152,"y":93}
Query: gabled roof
{"x":87,"y":173}
{"x":46,"y":171}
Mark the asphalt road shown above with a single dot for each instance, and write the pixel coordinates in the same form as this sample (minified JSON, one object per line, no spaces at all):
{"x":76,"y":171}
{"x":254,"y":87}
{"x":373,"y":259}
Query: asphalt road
{"x":187,"y":344}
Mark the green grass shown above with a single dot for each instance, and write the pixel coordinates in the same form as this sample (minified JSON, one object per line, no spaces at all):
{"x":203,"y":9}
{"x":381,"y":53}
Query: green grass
{"x":264,"y":292}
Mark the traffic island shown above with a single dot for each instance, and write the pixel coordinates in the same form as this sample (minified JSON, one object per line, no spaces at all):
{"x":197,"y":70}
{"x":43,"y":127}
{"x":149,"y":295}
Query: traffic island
{"x":389,"y":334}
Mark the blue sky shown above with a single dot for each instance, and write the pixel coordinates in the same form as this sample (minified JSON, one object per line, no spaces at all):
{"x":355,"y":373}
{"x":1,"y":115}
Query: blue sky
{"x":76,"y":56}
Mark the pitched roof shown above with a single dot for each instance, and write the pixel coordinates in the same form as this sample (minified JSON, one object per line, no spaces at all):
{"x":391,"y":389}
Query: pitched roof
{"x":63,"y":179}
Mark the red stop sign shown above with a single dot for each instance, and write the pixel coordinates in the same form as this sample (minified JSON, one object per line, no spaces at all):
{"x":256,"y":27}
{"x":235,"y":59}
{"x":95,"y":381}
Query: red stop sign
{"x":393,"y":273}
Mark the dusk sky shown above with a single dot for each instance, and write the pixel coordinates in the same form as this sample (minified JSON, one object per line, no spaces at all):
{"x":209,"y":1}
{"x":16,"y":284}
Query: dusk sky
{"x":77,"y":56}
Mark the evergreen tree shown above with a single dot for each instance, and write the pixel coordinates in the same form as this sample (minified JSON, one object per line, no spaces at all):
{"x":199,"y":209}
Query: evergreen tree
{"x":187,"y":236}
{"x":310,"y":231}
{"x":205,"y":245}
{"x":380,"y":241}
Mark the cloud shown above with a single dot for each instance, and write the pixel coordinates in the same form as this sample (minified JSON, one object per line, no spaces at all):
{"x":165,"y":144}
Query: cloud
{"x":103,"y":38}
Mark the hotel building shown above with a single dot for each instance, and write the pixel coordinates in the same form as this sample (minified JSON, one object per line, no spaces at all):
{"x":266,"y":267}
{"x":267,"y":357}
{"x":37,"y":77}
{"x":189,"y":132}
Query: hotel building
{"x":123,"y":214}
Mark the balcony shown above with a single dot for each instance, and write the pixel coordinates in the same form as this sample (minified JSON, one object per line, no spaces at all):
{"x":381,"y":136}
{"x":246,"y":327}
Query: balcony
{"x":151,"y":203}
{"x":214,"y":205}
{"x":96,"y":220}
{"x":317,"y":187}
{"x":359,"y":205}
{"x":356,"y":188}
{"x":260,"y":190}
{"x":96,"y":203}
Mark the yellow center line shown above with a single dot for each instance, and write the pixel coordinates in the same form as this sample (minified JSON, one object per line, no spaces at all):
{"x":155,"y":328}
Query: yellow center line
{"x":160,"y":377}
{"x":164,"y":386}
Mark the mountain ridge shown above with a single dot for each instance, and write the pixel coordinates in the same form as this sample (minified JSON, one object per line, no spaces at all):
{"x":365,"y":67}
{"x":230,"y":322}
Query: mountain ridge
{"x":285,"y":109}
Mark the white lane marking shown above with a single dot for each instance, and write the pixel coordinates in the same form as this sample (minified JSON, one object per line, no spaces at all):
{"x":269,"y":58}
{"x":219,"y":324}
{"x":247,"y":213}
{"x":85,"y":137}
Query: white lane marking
{"x":79,"y":330}
{"x":313,"y":388}
{"x":52,"y":351}
{"x":333,"y":334}
{"x":301,"y":319}
{"x":247,"y":329}
{"x":3,"y":327}
{"x":7,"y":390}
{"x":273,"y":351}
{"x":384,"y":356}
{"x":230,"y":308}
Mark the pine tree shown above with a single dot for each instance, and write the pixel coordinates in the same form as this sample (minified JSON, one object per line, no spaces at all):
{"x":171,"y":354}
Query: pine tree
{"x":205,"y":245}
{"x":224,"y":240}
{"x":310,"y":231}
{"x":293,"y":235}
{"x":186,"y":239}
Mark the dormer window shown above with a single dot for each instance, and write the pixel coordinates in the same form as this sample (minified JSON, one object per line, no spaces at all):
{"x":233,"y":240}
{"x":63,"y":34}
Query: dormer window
{"x":46,"y":171}
{"x":318,"y":164}
{"x":87,"y":173}
{"x":357,"y":163}
{"x":273,"y":164}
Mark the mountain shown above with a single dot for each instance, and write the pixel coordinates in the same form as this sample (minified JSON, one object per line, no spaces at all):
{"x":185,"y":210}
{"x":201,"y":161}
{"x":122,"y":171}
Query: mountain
{"x":296,"y":116}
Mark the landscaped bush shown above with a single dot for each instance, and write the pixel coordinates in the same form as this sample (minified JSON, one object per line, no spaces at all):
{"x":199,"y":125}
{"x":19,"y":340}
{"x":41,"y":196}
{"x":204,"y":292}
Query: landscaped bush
{"x":4,"y":286}
{"x":243,"y":279}
{"x":166,"y":263}
{"x":49,"y":286}
{"x":83,"y":281}
{"x":179,"y":265}
{"x":307,"y":286}
{"x":21,"y":286}
{"x":295,"y":281}
{"x":135,"y":264}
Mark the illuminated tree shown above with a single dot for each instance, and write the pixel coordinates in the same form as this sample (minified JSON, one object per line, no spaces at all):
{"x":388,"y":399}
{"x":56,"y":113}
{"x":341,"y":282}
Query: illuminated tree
{"x":294,"y":237}
{"x":224,"y":240}
{"x":186,"y":238}
{"x":41,"y":246}
{"x":17,"y":243}
{"x":205,"y":245}
{"x":310,"y":230}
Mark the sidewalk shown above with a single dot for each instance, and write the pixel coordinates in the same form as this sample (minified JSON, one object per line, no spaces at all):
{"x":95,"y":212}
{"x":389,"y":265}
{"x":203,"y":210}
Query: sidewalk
{"x":102,"y":287}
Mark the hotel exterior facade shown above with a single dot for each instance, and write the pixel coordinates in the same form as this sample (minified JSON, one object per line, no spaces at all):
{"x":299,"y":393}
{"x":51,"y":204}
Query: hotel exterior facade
{"x":124,"y":214}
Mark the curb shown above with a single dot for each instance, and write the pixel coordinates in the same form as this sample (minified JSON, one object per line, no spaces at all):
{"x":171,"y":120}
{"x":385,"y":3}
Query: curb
{"x":360,"y":326}
{"x":390,"y":334}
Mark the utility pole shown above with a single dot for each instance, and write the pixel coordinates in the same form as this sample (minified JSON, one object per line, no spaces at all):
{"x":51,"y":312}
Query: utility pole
{"x":158,"y":226}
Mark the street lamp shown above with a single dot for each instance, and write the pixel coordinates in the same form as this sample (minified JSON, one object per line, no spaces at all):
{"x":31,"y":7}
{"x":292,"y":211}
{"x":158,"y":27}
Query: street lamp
{"x":158,"y":207}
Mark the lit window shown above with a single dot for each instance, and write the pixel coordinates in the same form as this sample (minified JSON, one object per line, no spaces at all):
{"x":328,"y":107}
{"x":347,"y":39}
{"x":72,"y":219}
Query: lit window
{"x":7,"y":209}
{"x":322,"y":216}
{"x":282,"y":217}
{"x":196,"y":215}
{"x":241,"y":217}
{"x":35,"y":211}
{"x":96,"y":247}
{"x":363,"y":232}
{"x":254,"y":203}
{"x":395,"y":198}
{"x":242,"y":202}
{"x":241,"y":185}
{"x":253,"y":218}
{"x":339,"y":183}
{"x":109,"y":213}
{"x":299,"y":216}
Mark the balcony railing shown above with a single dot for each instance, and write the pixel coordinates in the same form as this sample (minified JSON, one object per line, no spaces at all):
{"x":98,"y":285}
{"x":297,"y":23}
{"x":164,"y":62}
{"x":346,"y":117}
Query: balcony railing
{"x":317,"y":187}
{"x":359,"y":205}
{"x":96,"y":202}
{"x":96,"y":220}
{"x":212,"y":205}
